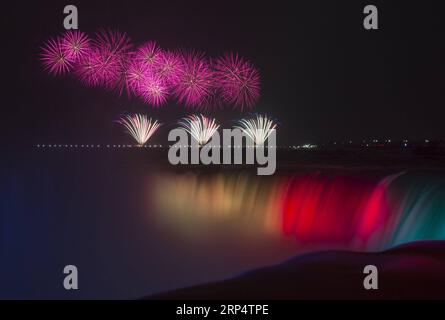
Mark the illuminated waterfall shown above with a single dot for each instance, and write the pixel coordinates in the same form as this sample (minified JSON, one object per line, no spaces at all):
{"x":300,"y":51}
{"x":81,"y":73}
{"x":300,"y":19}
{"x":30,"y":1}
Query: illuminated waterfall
{"x":315,"y":209}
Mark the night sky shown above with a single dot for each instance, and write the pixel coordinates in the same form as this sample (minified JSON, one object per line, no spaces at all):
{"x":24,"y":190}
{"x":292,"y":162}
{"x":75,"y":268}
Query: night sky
{"x":324,"y":77}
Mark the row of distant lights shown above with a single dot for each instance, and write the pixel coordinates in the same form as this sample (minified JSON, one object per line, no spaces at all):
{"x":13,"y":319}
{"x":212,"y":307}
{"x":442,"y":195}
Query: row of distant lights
{"x":404,"y":142}
{"x":267,"y":147}
{"x":96,"y":146}
{"x":386,"y":141}
{"x":92,"y":146}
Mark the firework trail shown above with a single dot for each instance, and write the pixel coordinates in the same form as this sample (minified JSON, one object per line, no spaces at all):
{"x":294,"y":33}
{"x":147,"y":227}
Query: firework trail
{"x":55,"y":58}
{"x":238,"y":81}
{"x":75,"y":44}
{"x":213,"y":100}
{"x":114,"y":42}
{"x":258,"y":129}
{"x":200,"y":127}
{"x":196,"y":80}
{"x":140,"y":127}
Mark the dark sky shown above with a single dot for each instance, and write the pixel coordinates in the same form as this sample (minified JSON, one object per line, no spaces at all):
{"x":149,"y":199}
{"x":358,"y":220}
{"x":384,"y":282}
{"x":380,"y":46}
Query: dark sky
{"x":324,"y":77}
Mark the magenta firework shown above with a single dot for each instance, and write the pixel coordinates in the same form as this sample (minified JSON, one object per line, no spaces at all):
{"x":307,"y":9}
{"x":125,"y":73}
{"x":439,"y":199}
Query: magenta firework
{"x":238,"y":79}
{"x":55,"y":59}
{"x":153,"y":89}
{"x":170,"y":67}
{"x":149,"y":54}
{"x":196,"y":80}
{"x":104,"y":62}
{"x":109,"y":60}
{"x":75,"y":44}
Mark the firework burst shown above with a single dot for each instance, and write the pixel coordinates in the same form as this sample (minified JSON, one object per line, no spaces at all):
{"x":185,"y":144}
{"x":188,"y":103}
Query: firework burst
{"x":107,"y":60}
{"x":86,"y":69}
{"x":169,"y":66}
{"x":55,"y":58}
{"x":149,"y":54}
{"x":122,"y":83}
{"x":135,"y":74}
{"x":196,"y":80}
{"x":104,"y":64}
{"x":75,"y":44}
{"x":153,"y":89}
{"x":258,"y":129}
{"x":100,"y":68}
{"x":200,"y":127}
{"x":238,"y":81}
{"x":139,"y":127}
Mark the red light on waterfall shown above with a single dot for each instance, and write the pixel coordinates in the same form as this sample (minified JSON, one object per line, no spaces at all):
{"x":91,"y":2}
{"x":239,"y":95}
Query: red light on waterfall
{"x":375,"y":211}
{"x":319,"y":209}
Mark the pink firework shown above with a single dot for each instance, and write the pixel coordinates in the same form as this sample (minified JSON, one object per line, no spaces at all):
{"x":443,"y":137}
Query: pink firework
{"x":100,"y":68}
{"x":76,"y":44}
{"x":135,"y":74}
{"x":54,"y":58}
{"x":112,"y":41}
{"x":169,"y":66}
{"x":153,"y":89}
{"x":104,"y":64}
{"x":86,"y":69}
{"x":196,"y":80}
{"x":122,"y":84}
{"x":238,"y":80}
{"x":149,"y":54}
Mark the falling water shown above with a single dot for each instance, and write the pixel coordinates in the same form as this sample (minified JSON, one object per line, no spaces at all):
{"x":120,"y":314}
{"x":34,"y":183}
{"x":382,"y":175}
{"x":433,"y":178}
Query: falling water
{"x":323,"y":210}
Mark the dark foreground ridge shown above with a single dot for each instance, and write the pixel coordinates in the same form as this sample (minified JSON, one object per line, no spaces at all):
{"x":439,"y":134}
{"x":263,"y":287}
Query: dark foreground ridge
{"x":410,"y":271}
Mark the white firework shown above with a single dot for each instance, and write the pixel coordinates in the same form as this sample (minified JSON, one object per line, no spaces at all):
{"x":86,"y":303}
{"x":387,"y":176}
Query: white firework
{"x":258,"y":129}
{"x":140,"y":127}
{"x":200,"y":127}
